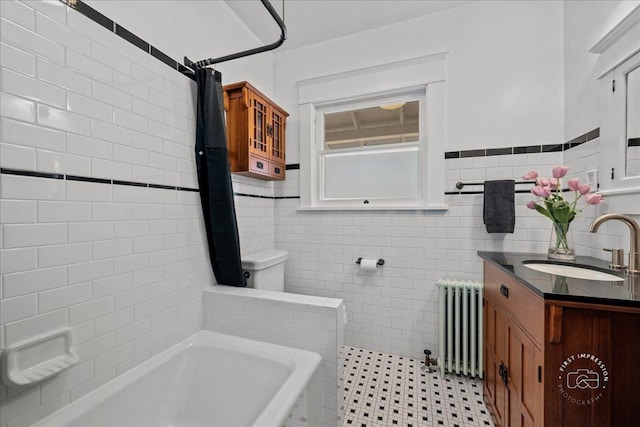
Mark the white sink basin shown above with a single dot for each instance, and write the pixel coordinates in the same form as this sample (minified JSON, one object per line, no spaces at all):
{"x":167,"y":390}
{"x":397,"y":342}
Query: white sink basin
{"x":572,"y":271}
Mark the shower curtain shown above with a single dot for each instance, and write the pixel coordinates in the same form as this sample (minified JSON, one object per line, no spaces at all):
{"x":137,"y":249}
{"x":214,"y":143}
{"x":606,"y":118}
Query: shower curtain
{"x":214,"y":179}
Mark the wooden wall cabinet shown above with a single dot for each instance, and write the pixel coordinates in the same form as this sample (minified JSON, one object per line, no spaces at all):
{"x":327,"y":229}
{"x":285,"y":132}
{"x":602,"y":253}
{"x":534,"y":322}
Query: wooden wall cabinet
{"x":255,"y":133}
{"x":527,"y":340}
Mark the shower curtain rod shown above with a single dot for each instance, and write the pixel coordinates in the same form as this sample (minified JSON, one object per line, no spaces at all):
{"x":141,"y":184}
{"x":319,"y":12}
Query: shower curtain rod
{"x":265,"y":48}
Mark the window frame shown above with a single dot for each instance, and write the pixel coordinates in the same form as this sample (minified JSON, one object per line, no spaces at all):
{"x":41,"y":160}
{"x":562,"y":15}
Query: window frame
{"x":417,"y":78}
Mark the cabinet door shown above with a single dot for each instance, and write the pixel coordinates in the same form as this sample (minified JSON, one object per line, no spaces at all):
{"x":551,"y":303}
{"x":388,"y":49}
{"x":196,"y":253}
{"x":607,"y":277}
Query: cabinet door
{"x":258,"y":121}
{"x":277,"y":132}
{"x":495,"y":326}
{"x":524,"y":379}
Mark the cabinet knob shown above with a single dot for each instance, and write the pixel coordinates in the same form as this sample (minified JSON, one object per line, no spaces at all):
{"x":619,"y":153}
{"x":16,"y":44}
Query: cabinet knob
{"x":504,"y":291}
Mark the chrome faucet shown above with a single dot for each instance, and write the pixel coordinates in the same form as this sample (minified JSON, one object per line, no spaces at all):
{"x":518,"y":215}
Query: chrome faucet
{"x":634,"y":246}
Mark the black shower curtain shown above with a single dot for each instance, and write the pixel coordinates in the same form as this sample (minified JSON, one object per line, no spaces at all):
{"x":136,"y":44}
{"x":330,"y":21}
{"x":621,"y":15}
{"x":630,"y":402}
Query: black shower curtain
{"x":214,"y":178}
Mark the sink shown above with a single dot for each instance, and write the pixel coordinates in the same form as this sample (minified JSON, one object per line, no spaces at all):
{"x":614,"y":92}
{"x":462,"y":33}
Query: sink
{"x":575,"y":271}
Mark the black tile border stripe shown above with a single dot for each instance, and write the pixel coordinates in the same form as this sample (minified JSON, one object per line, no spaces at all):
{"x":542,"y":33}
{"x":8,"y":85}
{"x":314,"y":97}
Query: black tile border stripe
{"x":292,"y":166}
{"x":526,"y":149}
{"x":633,"y":142}
{"x":117,"y":29}
{"x":32,"y":174}
{"x":35,"y":174}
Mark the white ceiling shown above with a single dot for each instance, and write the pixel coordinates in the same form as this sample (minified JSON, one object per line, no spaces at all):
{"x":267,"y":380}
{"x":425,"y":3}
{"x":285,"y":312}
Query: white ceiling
{"x":312,"y":21}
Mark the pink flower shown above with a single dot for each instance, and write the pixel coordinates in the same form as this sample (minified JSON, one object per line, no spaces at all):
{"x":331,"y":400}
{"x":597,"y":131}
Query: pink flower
{"x":584,"y":189}
{"x":531,"y":204}
{"x":554,"y":184}
{"x":541,"y":191}
{"x":560,"y":171}
{"x":544,"y":182}
{"x":594,"y":198}
{"x":530,"y":176}
{"x":574,"y":184}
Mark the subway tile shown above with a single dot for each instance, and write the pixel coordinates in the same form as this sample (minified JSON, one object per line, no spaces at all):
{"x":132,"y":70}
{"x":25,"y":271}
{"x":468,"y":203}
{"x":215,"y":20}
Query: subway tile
{"x":17,"y":60}
{"x":93,"y":309}
{"x":126,"y":154}
{"x":66,"y":380}
{"x":132,"y":297}
{"x":111,"y":96}
{"x":162,"y":131}
{"x":131,"y":263}
{"x":149,"y":308}
{"x":149,"y":275}
{"x":13,"y":260}
{"x":31,"y":88}
{"x":17,"y":157}
{"x":28,"y":282}
{"x":88,"y":67}
{"x":90,"y":270}
{"x":89,"y":147}
{"x":131,"y":228}
{"x":101,"y":168}
{"x":88,"y":27}
{"x":86,"y":106}
{"x":148,"y":244}
{"x":52,"y":161}
{"x":147,"y":174}
{"x":63,"y":120}
{"x":133,"y":331}
{"x":14,"y":309}
{"x":130,"y":51}
{"x":92,"y":384}
{"x":31,"y":42}
{"x":18,"y":211}
{"x":23,"y":235}
{"x":112,"y":285}
{"x":33,"y":326}
{"x":112,"y":248}
{"x":54,"y":211}
{"x":125,"y":193}
{"x":113,"y":321}
{"x":130,"y":120}
{"x":87,"y":191}
{"x":147,"y":109}
{"x":131,"y":86}
{"x":110,"y":132}
{"x":49,"y":256}
{"x":162,"y":161}
{"x":19,"y":405}
{"x":53,"y":9}
{"x":63,"y":77}
{"x":143,"y":74}
{"x":23,"y":187}
{"x":112,"y":211}
{"x":63,"y":297}
{"x":89,"y":231}
{"x":95,"y":347}
{"x":62,"y":34}
{"x":30,"y":135}
{"x":14,"y":107}
{"x":19,"y":13}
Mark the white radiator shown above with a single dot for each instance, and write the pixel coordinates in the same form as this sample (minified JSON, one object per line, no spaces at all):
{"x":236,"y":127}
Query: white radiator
{"x":460,"y":338}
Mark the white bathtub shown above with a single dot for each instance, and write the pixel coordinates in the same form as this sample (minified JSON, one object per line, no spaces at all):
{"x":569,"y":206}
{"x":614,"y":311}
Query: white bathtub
{"x":210,"y":379}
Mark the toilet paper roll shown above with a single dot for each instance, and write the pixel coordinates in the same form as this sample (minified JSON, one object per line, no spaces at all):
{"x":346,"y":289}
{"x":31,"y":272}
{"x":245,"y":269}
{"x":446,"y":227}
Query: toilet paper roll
{"x":368,"y":264}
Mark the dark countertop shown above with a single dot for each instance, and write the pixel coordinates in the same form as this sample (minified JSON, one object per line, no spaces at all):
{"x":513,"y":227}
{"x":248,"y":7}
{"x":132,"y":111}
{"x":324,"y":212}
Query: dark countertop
{"x":625,"y":293}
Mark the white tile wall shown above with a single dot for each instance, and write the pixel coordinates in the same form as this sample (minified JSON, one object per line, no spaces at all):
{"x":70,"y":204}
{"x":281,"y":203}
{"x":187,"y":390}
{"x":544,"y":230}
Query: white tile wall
{"x":299,"y":321}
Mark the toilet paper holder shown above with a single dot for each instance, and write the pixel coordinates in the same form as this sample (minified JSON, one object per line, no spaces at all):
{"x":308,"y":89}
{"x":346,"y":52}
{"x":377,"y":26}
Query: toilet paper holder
{"x":379,"y":263}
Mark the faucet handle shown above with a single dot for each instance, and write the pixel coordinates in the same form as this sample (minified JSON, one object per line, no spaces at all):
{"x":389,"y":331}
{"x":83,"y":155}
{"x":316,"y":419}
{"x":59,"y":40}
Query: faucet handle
{"x":617,"y":258}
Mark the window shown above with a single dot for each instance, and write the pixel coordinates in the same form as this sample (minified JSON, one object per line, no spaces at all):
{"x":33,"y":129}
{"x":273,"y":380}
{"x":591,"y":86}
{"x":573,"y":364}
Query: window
{"x":366,"y":148}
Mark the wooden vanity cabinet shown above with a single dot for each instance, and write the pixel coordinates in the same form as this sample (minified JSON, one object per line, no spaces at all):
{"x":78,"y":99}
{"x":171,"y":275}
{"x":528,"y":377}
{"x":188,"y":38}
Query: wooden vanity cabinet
{"x":255,"y":133}
{"x":526,"y":341}
{"x":513,"y":362}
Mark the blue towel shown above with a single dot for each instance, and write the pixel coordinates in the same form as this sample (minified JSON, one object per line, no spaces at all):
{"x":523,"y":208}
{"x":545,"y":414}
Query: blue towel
{"x":499,"y":213}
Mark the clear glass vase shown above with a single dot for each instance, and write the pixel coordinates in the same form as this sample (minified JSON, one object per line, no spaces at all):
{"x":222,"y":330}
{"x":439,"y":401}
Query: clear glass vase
{"x":561,"y":242}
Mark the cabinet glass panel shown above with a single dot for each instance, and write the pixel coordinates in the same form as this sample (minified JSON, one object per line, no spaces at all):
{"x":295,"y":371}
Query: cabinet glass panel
{"x":277,"y":148}
{"x":259,"y":128}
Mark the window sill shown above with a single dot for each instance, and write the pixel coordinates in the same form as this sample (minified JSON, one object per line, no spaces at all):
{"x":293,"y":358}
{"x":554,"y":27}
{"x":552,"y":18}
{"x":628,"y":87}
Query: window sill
{"x":374,"y":208}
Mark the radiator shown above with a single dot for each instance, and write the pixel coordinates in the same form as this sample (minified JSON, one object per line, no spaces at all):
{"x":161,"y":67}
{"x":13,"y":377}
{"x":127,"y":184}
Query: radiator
{"x":460,"y":335}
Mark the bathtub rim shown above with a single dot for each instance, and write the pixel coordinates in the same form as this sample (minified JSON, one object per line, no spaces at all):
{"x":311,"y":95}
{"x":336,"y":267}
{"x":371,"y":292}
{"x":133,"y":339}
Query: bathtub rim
{"x":303,"y":365}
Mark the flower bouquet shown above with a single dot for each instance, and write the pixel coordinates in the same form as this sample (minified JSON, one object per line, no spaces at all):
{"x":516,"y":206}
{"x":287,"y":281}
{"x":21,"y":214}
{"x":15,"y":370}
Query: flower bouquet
{"x":559,"y":210}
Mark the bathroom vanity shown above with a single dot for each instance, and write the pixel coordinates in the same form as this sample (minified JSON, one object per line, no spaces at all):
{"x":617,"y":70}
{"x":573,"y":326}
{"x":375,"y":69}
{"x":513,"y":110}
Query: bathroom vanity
{"x":559,"y":351}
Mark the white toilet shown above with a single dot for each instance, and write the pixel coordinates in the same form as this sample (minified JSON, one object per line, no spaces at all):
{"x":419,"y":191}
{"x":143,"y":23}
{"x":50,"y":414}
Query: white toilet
{"x":266,"y":269}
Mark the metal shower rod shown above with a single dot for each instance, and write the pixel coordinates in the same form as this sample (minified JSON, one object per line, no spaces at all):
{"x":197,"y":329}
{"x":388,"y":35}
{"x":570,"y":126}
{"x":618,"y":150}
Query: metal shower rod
{"x":265,"y":48}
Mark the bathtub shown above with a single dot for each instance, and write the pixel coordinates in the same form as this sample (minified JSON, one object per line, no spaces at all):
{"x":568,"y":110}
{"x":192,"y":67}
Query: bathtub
{"x":210,"y":379}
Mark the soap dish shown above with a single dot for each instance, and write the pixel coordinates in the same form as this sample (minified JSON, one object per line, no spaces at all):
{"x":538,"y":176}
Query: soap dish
{"x":36,"y":359}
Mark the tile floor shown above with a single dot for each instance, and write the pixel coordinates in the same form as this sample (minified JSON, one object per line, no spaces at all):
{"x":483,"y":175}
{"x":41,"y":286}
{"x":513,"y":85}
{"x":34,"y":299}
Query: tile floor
{"x":387,"y":390}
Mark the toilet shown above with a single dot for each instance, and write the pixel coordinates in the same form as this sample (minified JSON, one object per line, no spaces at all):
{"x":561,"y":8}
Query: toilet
{"x":266,"y":269}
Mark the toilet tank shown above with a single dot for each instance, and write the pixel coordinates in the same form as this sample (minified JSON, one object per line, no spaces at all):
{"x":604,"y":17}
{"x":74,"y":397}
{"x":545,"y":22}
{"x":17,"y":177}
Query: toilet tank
{"x":266,"y":269}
